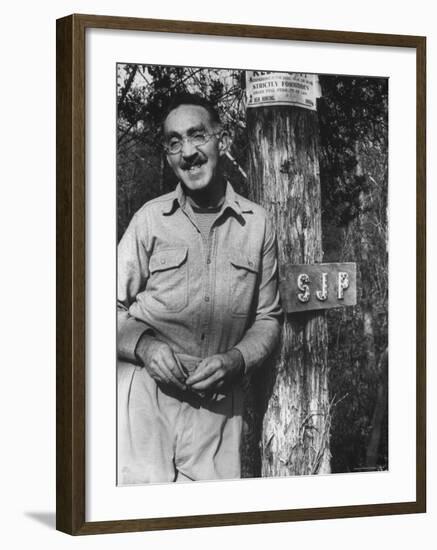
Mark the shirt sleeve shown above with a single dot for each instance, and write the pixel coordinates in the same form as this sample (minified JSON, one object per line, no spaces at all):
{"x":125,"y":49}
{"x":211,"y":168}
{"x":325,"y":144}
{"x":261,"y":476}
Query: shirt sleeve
{"x":132,"y":275}
{"x":263,"y":335}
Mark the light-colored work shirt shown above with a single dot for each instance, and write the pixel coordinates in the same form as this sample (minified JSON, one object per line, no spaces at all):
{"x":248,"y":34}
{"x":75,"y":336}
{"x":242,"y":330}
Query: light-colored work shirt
{"x":200,"y":297}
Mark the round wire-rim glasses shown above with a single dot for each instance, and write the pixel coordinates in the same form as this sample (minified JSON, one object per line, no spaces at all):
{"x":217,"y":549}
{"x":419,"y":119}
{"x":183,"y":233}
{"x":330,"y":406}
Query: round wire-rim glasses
{"x":174,"y":146}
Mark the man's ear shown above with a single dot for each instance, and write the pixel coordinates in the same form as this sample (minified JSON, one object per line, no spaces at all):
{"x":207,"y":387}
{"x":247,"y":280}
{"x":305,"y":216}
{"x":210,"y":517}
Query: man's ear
{"x":223,"y":142}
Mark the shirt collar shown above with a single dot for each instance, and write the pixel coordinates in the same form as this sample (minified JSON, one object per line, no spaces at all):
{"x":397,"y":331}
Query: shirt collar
{"x":231,"y":201}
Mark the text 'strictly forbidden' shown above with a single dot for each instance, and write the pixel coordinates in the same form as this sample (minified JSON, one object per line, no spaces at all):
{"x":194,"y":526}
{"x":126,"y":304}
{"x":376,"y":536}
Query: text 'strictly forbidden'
{"x":319,"y":286}
{"x":264,"y":89}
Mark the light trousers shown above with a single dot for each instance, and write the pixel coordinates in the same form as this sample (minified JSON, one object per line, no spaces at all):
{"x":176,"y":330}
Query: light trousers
{"x":169,"y":435}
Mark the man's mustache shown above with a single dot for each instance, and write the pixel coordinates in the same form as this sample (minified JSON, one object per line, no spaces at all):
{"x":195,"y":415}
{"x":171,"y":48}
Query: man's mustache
{"x":196,"y":162}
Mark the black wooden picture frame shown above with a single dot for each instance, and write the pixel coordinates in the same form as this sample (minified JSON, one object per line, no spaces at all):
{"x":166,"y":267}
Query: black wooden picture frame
{"x":71,"y":253}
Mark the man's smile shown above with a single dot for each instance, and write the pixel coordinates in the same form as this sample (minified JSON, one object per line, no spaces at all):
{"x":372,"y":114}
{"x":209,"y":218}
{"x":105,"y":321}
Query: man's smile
{"x":194,"y":168}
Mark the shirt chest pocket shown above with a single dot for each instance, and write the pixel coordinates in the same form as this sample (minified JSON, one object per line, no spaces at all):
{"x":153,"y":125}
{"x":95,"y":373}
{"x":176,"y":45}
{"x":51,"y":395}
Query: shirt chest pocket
{"x":168,"y":280}
{"x":243,"y":282}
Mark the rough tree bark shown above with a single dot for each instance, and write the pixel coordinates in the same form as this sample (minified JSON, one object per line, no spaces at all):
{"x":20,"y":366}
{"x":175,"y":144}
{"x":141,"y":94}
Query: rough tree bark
{"x":284,"y":178}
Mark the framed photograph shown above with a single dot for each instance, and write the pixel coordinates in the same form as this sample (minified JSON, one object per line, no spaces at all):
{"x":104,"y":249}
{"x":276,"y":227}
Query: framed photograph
{"x":240,"y":274}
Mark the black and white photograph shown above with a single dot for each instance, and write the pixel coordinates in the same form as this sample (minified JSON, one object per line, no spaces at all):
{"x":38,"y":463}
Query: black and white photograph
{"x":252,"y":274}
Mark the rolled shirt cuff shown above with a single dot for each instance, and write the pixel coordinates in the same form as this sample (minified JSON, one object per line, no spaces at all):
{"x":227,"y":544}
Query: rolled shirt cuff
{"x":258,"y":344}
{"x":128,"y":336}
{"x":246,"y":355}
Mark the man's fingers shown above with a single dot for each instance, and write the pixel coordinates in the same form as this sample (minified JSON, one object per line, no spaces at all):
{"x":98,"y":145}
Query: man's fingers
{"x":211,"y":382}
{"x":171,"y":363}
{"x":162,"y":365}
{"x":167,"y":364}
{"x":180,"y":368}
{"x":172,"y":377}
{"x":159,"y":374}
{"x":165,"y":375}
{"x":174,"y":373}
{"x":204,"y":370}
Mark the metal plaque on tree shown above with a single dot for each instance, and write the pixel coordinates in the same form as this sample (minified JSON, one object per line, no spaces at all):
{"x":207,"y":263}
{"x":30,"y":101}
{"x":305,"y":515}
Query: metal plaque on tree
{"x":319,"y":286}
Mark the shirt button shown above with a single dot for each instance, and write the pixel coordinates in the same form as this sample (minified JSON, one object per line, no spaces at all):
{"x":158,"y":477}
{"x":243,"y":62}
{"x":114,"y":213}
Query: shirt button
{"x":163,"y":261}
{"x":251,"y":264}
{"x":206,"y":298}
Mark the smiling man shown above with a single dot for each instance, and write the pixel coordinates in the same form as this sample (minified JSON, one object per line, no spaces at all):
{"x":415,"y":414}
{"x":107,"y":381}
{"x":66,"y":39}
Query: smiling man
{"x":198,"y":309}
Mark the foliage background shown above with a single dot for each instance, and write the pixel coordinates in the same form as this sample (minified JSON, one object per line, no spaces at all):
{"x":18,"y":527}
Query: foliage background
{"x":353,"y":118}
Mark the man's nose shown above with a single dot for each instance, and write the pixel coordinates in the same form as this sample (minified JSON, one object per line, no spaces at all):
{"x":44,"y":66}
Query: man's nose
{"x":188,"y":149}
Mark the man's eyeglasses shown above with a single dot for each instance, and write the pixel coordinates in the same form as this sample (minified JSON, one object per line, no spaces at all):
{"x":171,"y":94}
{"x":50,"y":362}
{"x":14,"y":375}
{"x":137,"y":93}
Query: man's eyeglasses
{"x":174,"y":145}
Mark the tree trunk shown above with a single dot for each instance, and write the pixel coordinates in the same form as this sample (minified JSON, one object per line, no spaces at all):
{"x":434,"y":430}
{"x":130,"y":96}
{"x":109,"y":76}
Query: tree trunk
{"x":284,"y":178}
